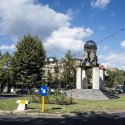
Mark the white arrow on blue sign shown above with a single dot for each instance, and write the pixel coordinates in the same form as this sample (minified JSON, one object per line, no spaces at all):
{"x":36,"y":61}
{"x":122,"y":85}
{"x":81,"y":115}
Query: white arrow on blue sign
{"x":43,"y":90}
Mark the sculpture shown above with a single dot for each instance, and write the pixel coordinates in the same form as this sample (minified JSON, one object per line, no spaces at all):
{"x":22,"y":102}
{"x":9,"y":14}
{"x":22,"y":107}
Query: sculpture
{"x":90,"y":58}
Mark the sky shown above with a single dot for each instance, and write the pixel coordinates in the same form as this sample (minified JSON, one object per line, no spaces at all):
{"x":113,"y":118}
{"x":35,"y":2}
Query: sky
{"x":66,"y":25}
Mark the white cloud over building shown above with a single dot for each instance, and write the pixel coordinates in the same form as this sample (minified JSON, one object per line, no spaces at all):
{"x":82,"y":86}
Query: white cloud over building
{"x":100,"y":3}
{"x":19,"y":17}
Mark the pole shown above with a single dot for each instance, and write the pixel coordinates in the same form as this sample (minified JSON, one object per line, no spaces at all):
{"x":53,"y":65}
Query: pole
{"x":43,"y":99}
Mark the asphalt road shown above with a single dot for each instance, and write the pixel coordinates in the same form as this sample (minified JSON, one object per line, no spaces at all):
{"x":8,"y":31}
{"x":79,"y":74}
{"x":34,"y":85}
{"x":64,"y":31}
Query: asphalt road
{"x":79,"y":119}
{"x":7,"y":96}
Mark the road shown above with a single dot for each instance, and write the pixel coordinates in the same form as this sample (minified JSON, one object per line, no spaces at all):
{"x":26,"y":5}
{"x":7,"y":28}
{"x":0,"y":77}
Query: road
{"x":79,"y":119}
{"x":6,"y":96}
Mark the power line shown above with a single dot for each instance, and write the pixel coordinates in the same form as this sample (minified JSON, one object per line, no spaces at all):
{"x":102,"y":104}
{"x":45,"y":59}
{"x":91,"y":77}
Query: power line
{"x":112,"y":35}
{"x":105,"y":38}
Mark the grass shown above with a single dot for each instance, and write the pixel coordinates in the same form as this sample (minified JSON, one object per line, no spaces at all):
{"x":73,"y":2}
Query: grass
{"x":78,"y":106}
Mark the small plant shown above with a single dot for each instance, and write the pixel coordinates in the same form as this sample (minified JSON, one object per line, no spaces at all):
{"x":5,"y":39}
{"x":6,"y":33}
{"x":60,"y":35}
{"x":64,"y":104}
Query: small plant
{"x":53,"y":98}
{"x":35,"y":98}
{"x":64,"y":100}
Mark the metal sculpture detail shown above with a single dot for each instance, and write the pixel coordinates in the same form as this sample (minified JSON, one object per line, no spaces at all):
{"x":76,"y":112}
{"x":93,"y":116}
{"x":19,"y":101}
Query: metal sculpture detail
{"x":90,"y":58}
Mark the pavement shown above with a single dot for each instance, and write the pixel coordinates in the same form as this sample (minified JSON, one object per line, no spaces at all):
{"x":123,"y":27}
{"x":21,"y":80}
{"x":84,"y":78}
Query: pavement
{"x":86,"y":118}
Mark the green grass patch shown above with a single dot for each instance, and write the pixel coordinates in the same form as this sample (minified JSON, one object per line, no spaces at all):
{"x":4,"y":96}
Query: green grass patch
{"x":9,"y":104}
{"x":78,"y":106}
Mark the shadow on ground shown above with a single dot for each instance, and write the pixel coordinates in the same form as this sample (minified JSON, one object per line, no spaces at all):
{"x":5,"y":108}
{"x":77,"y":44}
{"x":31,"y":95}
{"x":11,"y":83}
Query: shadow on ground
{"x":89,"y":118}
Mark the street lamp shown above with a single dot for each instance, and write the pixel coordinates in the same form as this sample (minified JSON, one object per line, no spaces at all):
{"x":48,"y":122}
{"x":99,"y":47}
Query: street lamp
{"x":5,"y":67}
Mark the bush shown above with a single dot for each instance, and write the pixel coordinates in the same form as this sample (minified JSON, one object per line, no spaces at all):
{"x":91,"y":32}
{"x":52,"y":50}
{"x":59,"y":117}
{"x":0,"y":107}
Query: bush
{"x":35,"y":98}
{"x":63,"y":100}
{"x":53,"y":98}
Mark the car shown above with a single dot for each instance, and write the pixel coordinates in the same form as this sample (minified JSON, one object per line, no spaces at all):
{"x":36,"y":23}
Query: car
{"x":29,"y":90}
{"x":120,"y":89}
{"x":22,"y":92}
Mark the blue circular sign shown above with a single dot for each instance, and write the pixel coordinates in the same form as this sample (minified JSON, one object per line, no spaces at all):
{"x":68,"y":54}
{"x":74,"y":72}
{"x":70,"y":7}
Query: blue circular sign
{"x":43,"y":90}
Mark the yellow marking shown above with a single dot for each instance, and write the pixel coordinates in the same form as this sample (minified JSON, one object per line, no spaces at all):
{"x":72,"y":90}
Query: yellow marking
{"x":22,"y":101}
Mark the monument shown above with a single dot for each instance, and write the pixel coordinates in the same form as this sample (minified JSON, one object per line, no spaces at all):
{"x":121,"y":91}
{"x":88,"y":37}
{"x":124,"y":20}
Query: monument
{"x":90,"y":61}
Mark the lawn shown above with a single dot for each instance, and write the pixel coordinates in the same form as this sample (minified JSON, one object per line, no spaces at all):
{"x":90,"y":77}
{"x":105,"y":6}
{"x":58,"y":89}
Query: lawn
{"x":78,"y":106}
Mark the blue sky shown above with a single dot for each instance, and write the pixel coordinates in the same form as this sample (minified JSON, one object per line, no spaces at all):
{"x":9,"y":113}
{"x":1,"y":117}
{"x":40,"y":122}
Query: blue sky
{"x":66,"y":25}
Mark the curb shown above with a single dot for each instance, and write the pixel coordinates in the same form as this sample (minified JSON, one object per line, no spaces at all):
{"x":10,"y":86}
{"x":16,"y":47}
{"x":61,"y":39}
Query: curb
{"x":25,"y":113}
{"x":47,"y":115}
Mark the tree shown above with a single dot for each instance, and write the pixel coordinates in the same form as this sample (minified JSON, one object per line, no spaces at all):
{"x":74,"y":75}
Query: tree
{"x":69,"y":70}
{"x":115,"y":78}
{"x":28,"y":60}
{"x":52,"y":72}
{"x":5,"y":70}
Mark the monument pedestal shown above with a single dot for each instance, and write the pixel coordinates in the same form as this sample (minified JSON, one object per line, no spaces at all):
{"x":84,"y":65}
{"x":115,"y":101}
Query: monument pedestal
{"x":78,"y":78}
{"x":81,"y":79}
{"x":102,"y":79}
{"x":95,"y":78}
{"x":84,"y":80}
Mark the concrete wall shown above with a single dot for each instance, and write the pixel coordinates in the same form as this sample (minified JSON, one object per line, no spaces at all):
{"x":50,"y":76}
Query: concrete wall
{"x":97,"y":79}
{"x":96,"y":75}
{"x":79,"y":78}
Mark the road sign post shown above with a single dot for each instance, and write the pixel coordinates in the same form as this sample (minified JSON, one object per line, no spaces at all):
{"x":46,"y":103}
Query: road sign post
{"x":43,"y":104}
{"x":43,"y":91}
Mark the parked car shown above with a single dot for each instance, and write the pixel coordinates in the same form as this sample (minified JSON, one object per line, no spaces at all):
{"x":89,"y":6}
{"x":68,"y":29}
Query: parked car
{"x":120,"y":89}
{"x":22,"y":92}
{"x":29,"y":90}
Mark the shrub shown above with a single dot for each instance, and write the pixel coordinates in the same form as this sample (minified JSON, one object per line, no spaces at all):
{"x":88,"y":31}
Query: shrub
{"x":53,"y":98}
{"x":63,"y":100}
{"x":35,"y":98}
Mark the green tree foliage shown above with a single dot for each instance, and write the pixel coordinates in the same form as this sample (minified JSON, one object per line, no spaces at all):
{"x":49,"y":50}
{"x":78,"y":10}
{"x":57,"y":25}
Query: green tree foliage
{"x":69,"y":70}
{"x":52,"y":72}
{"x":49,"y":76}
{"x":5,"y":69}
{"x":115,"y":78}
{"x":28,"y":60}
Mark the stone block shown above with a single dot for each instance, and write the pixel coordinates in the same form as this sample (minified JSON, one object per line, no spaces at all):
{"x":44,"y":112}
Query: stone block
{"x":79,"y":78}
{"x":23,"y":105}
{"x":96,"y":80}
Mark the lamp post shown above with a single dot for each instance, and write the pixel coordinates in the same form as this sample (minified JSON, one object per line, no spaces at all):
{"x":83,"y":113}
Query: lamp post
{"x":5,"y":67}
{"x":1,"y":70}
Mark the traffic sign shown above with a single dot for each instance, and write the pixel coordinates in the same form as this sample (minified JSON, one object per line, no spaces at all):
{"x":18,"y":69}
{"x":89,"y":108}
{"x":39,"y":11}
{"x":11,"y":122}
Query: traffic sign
{"x":43,"y":90}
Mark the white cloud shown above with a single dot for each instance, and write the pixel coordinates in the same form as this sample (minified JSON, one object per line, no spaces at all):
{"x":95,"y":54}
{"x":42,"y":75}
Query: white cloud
{"x":123,"y":44}
{"x":67,"y":38}
{"x":116,"y":58}
{"x":100,"y":3}
{"x":5,"y":47}
{"x":19,"y":17}
{"x":113,"y":59}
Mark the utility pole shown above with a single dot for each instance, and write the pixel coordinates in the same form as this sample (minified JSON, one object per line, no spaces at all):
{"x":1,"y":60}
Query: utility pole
{"x":6,"y":66}
{"x":1,"y":69}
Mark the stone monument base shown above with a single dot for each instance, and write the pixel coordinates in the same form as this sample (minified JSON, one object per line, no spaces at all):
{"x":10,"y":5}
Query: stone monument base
{"x":90,"y":94}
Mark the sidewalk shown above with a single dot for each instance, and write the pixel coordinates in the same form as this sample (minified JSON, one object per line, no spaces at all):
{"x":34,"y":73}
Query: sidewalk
{"x":36,"y":114}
